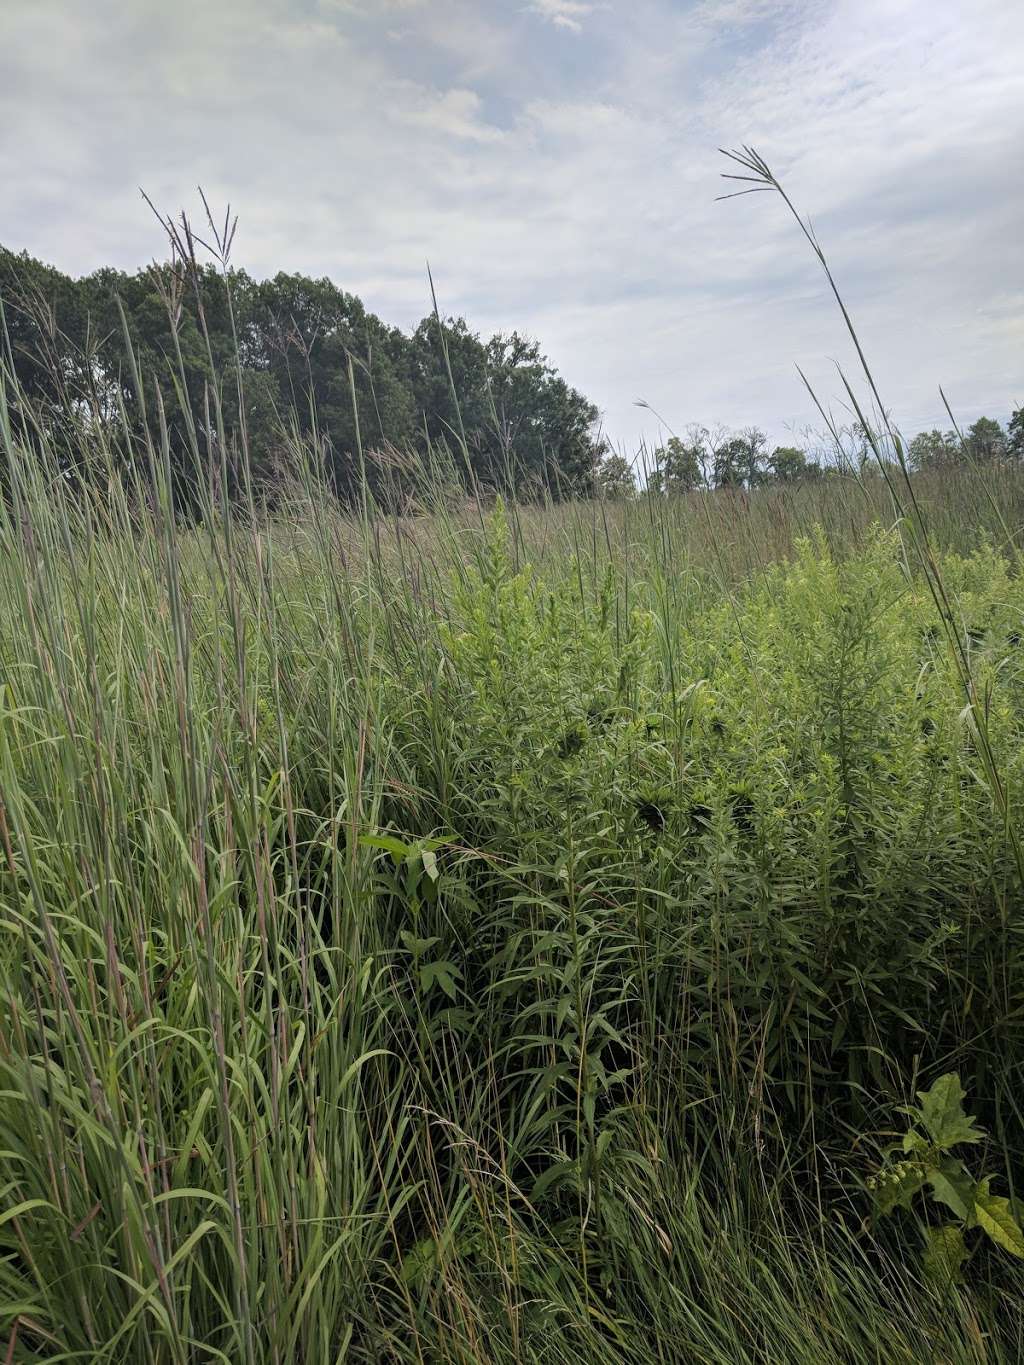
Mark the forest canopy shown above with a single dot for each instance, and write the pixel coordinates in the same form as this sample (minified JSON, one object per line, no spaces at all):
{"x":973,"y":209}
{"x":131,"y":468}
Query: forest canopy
{"x":309,"y":360}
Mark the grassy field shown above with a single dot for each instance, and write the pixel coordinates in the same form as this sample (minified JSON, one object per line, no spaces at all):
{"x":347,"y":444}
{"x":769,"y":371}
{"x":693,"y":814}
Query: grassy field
{"x":503,"y":934}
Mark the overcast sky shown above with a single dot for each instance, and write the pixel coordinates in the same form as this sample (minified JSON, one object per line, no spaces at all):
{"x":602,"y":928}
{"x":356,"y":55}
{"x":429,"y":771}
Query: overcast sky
{"x":555,"y":160}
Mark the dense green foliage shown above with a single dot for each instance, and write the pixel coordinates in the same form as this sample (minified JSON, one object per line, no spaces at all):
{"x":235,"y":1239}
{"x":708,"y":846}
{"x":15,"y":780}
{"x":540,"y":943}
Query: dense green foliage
{"x":302,"y":353}
{"x":927,"y":1162}
{"x":503,"y":939}
{"x":983,"y":442}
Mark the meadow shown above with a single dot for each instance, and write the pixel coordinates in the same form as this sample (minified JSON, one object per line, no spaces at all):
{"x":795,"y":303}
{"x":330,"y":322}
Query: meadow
{"x":504,"y":934}
{"x":505,"y":931}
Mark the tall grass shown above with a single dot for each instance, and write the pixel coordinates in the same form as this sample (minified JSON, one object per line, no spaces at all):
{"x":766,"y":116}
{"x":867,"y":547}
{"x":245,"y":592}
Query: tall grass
{"x":492,"y":937}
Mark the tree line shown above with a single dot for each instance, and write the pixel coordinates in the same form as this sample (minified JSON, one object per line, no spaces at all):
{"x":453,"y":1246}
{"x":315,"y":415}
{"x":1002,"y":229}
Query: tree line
{"x":719,"y":458}
{"x":294,"y":362}
{"x":286,"y":361}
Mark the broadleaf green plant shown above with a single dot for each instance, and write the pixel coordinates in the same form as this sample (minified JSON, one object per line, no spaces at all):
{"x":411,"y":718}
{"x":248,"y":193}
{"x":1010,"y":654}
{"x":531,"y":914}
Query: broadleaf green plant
{"x":925,"y":1158}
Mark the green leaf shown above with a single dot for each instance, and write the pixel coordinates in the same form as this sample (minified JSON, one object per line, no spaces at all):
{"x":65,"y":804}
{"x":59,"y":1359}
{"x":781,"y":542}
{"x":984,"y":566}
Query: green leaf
{"x":952,"y":1186}
{"x":417,"y":946}
{"x":993,"y":1215}
{"x":396,"y":847}
{"x":446,"y":981}
{"x":554,"y":1176}
{"x":603,"y":1142}
{"x":942,"y":1113}
{"x":944,"y":1255}
{"x":441,"y":974}
{"x":24,"y":1207}
{"x":420,"y":1261}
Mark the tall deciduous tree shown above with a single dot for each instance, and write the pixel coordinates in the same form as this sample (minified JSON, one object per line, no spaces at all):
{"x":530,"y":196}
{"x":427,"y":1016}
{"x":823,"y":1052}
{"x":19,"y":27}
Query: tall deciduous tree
{"x":679,"y":465}
{"x":932,"y":449}
{"x":742,"y":461}
{"x":788,"y":464}
{"x":614,"y":479}
{"x":986,"y":439}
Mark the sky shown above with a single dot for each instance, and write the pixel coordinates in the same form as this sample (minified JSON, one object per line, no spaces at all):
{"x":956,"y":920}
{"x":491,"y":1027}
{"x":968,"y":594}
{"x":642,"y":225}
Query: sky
{"x":557,"y":163}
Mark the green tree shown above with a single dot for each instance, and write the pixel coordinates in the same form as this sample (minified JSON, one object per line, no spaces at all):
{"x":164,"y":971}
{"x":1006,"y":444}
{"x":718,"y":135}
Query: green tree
{"x":933,"y":450}
{"x":742,"y":461}
{"x":986,"y":440}
{"x":47,"y":330}
{"x":679,"y":465}
{"x":544,"y":428}
{"x":290,"y":349}
{"x":788,"y":464}
{"x":614,"y":479}
{"x":523,"y":424}
{"x":336,"y":367}
{"x":78,"y":345}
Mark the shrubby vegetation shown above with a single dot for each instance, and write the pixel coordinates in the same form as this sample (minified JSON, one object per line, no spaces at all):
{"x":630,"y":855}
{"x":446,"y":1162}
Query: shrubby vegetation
{"x":444,"y":939}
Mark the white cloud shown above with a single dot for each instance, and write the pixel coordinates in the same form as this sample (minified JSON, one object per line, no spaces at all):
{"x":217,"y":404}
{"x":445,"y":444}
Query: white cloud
{"x":456,"y":113}
{"x":566,"y":189}
{"x":563,"y":13}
